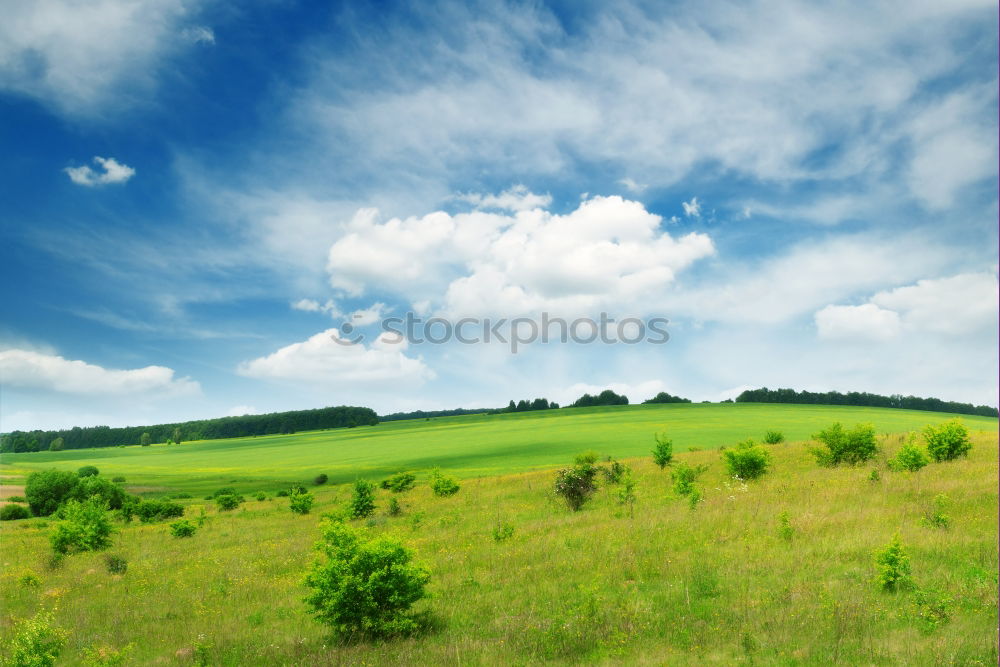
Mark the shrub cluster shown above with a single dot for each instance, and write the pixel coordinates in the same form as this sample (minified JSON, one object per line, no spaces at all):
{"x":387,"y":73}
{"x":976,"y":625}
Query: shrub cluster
{"x":228,"y":501}
{"x":845,"y":446}
{"x":13,"y":512}
{"x":442,"y":485}
{"x":909,"y":458}
{"x":400,"y":482}
{"x":577,"y":484}
{"x":149,"y":511}
{"x":747,"y":460}
{"x":88,"y":471}
{"x":321,"y":479}
{"x":363,"y":501}
{"x":182,"y":528}
{"x":85,"y":527}
{"x":684,"y":476}
{"x":301,"y":503}
{"x":663,"y":452}
{"x":948,"y":440}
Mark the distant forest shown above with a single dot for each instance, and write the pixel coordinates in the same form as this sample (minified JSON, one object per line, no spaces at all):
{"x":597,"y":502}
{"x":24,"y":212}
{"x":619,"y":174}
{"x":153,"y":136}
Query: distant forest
{"x":765,"y":395}
{"x":203,"y":429}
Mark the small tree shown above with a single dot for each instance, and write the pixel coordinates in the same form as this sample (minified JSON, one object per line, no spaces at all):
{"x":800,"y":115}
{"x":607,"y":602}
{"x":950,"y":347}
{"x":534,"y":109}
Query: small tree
{"x":626,"y":494}
{"x":893,"y":566}
{"x":443,"y":485}
{"x":228,"y":501}
{"x":146,"y":440}
{"x":14,"y":512}
{"x":365,"y":587}
{"x":47,"y":489}
{"x":400,"y":482}
{"x":663,"y":452}
{"x":363,"y":500}
{"x":182,"y":528}
{"x":774,"y":437}
{"x":684,"y":477}
{"x":747,"y":460}
{"x":576,"y":485}
{"x":842,"y":446}
{"x":909,"y":458}
{"x":88,"y":471}
{"x":57,"y":445}
{"x":948,"y":440}
{"x":301,"y":503}
{"x":36,"y":642}
{"x":85,"y":527}
{"x":177,"y":435}
{"x":321,"y":479}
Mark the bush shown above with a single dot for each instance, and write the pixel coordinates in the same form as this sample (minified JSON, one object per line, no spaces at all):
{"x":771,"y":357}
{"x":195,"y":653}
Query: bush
{"x":301,"y":503}
{"x":893,"y":566}
{"x":182,"y":528}
{"x":395,"y":509}
{"x":16,"y":499}
{"x":747,"y":460}
{"x":854,"y":446}
{"x":46,"y":490}
{"x":663,"y":452}
{"x":14,"y":513}
{"x":145,"y":440}
{"x":149,"y":511}
{"x":909,"y":459}
{"x":283,"y":493}
{"x":935,"y":517}
{"x":774,"y":437}
{"x":118,"y":480}
{"x":57,"y":445}
{"x":115,"y":564}
{"x":363,"y":501}
{"x":614,"y":472}
{"x":321,"y":479}
{"x":35,"y":642}
{"x":112,"y":494}
{"x":502,"y":531}
{"x":364,"y":587}
{"x":224,"y":491}
{"x":948,"y":440}
{"x":874,"y":477}
{"x":88,"y":471}
{"x":442,"y":485}
{"x":684,"y":477}
{"x":261,"y":496}
{"x":228,"y":501}
{"x":589,"y":457}
{"x":785,"y":530}
{"x":626,"y":494}
{"x":85,"y":527}
{"x":576,"y":485}
{"x":400,"y":482}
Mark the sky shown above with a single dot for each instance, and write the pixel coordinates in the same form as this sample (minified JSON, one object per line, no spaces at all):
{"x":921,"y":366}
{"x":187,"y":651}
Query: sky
{"x":196,"y":196}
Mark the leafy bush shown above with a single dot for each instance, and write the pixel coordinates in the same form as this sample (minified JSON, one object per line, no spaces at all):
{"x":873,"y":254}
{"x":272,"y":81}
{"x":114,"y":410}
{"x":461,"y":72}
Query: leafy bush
{"x":842,"y":446}
{"x":948,"y":440}
{"x":301,"y":503}
{"x":106,"y":656}
{"x":112,"y":494}
{"x":874,"y":476}
{"x":747,"y":460}
{"x":394,"y":509}
{"x":909,"y":458}
{"x":57,"y":445}
{"x":46,"y":490}
{"x":893,"y":566}
{"x":36,"y":642}
{"x":145,"y":440}
{"x":694,"y":498}
{"x":363,"y":501}
{"x":576,"y":485}
{"x":935,"y":516}
{"x":16,"y":499}
{"x":663,"y":452}
{"x":224,"y":491}
{"x":626,"y":494}
{"x":283,"y":493}
{"x":443,"y":485}
{"x":614,"y":472}
{"x":149,"y":511}
{"x":774,"y":437}
{"x":118,"y":480}
{"x":29,"y":579}
{"x":364,"y":587}
{"x":260,"y":496}
{"x":88,"y":471}
{"x":589,"y":457}
{"x":400,"y":482}
{"x":13,"y":512}
{"x":502,"y":531}
{"x":85,"y":527}
{"x":228,"y":501}
{"x":116,"y":564}
{"x":933,"y":609}
{"x":321,"y":479}
{"x":182,"y":528}
{"x":785,"y":530}
{"x":684,"y":477}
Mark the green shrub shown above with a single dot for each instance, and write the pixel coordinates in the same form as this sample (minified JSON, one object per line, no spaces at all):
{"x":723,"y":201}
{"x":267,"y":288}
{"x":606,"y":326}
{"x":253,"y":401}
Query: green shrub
{"x":363,"y":501}
{"x":85,"y":527}
{"x":576,"y":485}
{"x":747,"y":460}
{"x":118,"y":480}
{"x":224,"y":491}
{"x":57,"y":445}
{"x":179,"y":496}
{"x":774,"y":437}
{"x":684,"y":477}
{"x":16,"y":499}
{"x":785,"y":530}
{"x":395,"y":509}
{"x":115,"y":564}
{"x":400,"y":482}
{"x":935,"y":516}
{"x":182,"y":528}
{"x":35,"y":642}
{"x":948,"y":440}
{"x":301,"y":503}
{"x":149,"y":511}
{"x":29,"y":579}
{"x":893,"y":566}
{"x":321,"y":479}
{"x":106,"y":656}
{"x":842,"y":446}
{"x":228,"y":501}
{"x":260,"y":496}
{"x":502,"y":531}
{"x":14,"y":513}
{"x":909,"y":459}
{"x":88,"y":471}
{"x":626,"y":494}
{"x":113,"y":495}
{"x":663,"y":452}
{"x":694,"y":497}
{"x":283,"y":493}
{"x":46,"y":490}
{"x":933,"y":609}
{"x":614,"y":471}
{"x":874,"y":476}
{"x":443,"y":485}
{"x":364,"y":587}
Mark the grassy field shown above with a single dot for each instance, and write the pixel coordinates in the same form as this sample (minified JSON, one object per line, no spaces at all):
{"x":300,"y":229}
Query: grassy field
{"x":667,"y":584}
{"x":468,"y":446}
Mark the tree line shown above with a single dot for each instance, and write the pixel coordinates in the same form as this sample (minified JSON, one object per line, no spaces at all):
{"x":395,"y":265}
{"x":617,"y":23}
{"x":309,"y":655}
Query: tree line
{"x":864,"y":399}
{"x":202,"y":429}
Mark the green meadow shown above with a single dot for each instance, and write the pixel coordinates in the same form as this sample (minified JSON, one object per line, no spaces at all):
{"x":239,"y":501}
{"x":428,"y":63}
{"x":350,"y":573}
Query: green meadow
{"x":776,"y":571}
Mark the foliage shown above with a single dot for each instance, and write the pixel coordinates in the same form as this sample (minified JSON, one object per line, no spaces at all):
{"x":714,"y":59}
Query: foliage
{"x":909,"y":458}
{"x":845,"y":446}
{"x":933,"y":609}
{"x":145,"y":439}
{"x":874,"y":476}
{"x":443,"y":485}
{"x":614,"y":471}
{"x":118,"y":480}
{"x":663,"y":452}
{"x":12,"y":512}
{"x":664,"y":397}
{"x":576,"y":485}
{"x":106,"y":656}
{"x":149,"y":511}
{"x":364,"y":587}
{"x":589,"y":457}
{"x":606,"y":397}
{"x":363,"y":501}
{"x":684,"y":477}
{"x":99,"y":487}
{"x":400,"y":482}
{"x":893,"y":566}
{"x":46,"y":490}
{"x":301,"y":503}
{"x":88,"y":471}
{"x":785,"y":530}
{"x":85,"y":527}
{"x":947,"y":441}
{"x":528,"y":406}
{"x":626,"y":494}
{"x":774,"y":437}
{"x":395,"y":508}
{"x":17,"y":499}
{"x":35,"y":642}
{"x":228,"y":501}
{"x":935,"y":516}
{"x":182,"y":528}
{"x":502,"y":531}
{"x":865,"y":399}
{"x":260,"y":496}
{"x":115,"y":563}
{"x":321,"y":479}
{"x":694,"y":497}
{"x":176,"y":435}
{"x":747,"y":460}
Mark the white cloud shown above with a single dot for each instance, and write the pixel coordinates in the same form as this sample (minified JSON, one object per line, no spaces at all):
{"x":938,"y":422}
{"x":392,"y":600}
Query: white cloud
{"x":958,"y":305}
{"x":516,"y":198}
{"x":370,"y":315}
{"x":867,"y":322}
{"x":312,"y":306}
{"x":608,"y":251}
{"x":199,"y":34}
{"x":109,"y":171}
{"x":326,"y":360}
{"x":632,"y":186}
{"x":692,"y":209}
{"x":30,"y":369}
{"x":240,"y":410}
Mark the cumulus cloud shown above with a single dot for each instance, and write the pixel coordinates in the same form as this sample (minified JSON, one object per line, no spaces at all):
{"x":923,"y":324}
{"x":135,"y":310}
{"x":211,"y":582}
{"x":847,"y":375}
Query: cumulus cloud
{"x":313,"y":306}
{"x":30,"y":369}
{"x":199,"y":34}
{"x":609,"y":251}
{"x":867,"y":322}
{"x":109,"y":170}
{"x":692,"y":209}
{"x":327,"y":360}
{"x":632,"y":186}
{"x":517,"y":198}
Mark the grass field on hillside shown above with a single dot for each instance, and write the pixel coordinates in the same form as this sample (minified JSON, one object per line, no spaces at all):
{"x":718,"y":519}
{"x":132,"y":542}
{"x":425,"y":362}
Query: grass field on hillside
{"x":467,"y":446}
{"x":717,"y":584}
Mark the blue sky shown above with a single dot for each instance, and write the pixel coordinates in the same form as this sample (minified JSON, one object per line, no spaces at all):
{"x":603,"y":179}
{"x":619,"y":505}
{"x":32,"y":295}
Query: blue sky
{"x":197,"y":194}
